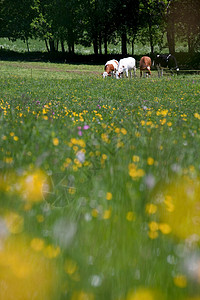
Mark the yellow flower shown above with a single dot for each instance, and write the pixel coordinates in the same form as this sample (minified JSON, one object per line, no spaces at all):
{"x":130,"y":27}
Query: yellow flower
{"x":70,"y":266}
{"x":196,"y":115}
{"x":130,"y":216}
{"x":55,"y":141}
{"x":94,"y":213}
{"x":81,"y":295}
{"x":14,"y":222}
{"x":150,"y":161}
{"x":136,"y":158}
{"x":24,"y":271}
{"x":37,"y":244}
{"x":51,"y":252}
{"x":16,"y":138}
{"x":143,"y":294}
{"x":180,"y":281}
{"x":107,"y":214}
{"x":33,"y":186}
{"x":151,"y":208}
{"x":182,"y":219}
{"x":153,"y":226}
{"x":165,"y":228}
{"x":123,"y":131}
{"x":108,"y":196}
{"x":153,"y":234}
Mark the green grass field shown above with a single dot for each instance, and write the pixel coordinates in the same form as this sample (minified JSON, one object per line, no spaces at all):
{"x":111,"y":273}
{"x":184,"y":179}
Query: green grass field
{"x":99,"y":184}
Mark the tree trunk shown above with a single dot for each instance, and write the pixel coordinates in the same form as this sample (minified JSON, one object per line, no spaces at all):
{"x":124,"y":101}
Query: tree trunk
{"x":105,"y":45}
{"x":171,"y":36}
{"x":52,"y":46}
{"x":95,"y":46}
{"x":27,"y":45}
{"x":132,"y":46}
{"x":100,"y":43}
{"x":46,"y":45}
{"x":124,"y":42}
{"x":62,"y":47}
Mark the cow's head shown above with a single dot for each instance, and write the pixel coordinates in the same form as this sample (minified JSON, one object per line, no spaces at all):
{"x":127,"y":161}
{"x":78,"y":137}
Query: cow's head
{"x":120,"y":70}
{"x":105,"y":74}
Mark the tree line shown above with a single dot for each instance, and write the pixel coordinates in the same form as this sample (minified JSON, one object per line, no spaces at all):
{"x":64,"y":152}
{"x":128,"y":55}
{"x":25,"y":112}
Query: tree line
{"x":100,"y":22}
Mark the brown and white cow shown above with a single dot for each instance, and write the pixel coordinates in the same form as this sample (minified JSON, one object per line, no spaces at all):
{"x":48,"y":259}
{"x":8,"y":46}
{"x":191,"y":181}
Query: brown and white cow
{"x":145,"y":65}
{"x":110,"y":68}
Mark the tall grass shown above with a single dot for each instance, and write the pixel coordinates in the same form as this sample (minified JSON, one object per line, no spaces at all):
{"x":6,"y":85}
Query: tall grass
{"x":99,"y":184}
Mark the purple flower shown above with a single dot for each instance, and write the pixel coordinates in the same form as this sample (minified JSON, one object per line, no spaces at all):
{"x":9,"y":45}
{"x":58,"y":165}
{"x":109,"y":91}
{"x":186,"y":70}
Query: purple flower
{"x":80,"y":133}
{"x":85,"y":127}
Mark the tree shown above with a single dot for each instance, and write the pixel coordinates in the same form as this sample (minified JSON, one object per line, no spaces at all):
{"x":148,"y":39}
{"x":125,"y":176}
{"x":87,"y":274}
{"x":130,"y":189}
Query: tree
{"x":151,"y":19}
{"x":16,"y":18}
{"x":184,"y":21}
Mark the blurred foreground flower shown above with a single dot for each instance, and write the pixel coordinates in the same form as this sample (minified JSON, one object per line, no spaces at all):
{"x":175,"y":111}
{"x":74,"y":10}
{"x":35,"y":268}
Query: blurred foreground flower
{"x":180,"y":207}
{"x":144,"y":294}
{"x":30,"y":185}
{"x":33,"y":186}
{"x":25,"y":273}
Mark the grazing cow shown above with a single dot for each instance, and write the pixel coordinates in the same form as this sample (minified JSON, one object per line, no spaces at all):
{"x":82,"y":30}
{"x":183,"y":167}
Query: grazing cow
{"x":126,"y":65}
{"x":145,"y":65}
{"x":110,"y":68}
{"x":165,"y":61}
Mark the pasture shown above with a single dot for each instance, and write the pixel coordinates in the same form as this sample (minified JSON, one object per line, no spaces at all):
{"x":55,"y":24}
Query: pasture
{"x":99,"y":184}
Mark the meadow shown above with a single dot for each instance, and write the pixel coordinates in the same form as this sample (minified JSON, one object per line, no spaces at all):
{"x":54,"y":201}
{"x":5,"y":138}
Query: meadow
{"x":99,"y":184}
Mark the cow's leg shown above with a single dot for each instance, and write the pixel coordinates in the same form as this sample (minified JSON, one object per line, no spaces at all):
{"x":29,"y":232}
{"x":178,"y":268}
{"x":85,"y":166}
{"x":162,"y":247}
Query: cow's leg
{"x":161,"y":72}
{"x":127,"y":73}
{"x":134,"y":71}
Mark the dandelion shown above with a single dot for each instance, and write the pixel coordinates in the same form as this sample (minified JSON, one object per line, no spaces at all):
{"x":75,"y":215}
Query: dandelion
{"x":33,"y":186}
{"x":180,"y":281}
{"x":55,"y":141}
{"x":150,"y":161}
{"x":130,"y":216}
{"x":108,"y":196}
{"x":24,"y":271}
{"x":151,"y":208}
{"x":37,"y":244}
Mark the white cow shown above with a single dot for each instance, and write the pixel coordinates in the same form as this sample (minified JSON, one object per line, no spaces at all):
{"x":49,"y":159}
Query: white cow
{"x":127,"y":65}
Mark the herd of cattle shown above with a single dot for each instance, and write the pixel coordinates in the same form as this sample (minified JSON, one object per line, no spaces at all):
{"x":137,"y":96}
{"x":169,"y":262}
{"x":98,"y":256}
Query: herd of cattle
{"x":128,"y":65}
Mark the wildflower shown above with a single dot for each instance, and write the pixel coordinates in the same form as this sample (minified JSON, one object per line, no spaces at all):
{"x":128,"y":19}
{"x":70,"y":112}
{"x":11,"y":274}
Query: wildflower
{"x":143,"y":294}
{"x":180,"y":281}
{"x":164,"y":228}
{"x":108,"y":196}
{"x":85,"y":127}
{"x":151,"y":208}
{"x":37,"y":244}
{"x":70,"y":266}
{"x":55,"y":141}
{"x":14,"y":222}
{"x":51,"y":252}
{"x":107,"y":214}
{"x":150,"y":161}
{"x":130,"y":216}
{"x":33,"y":186}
